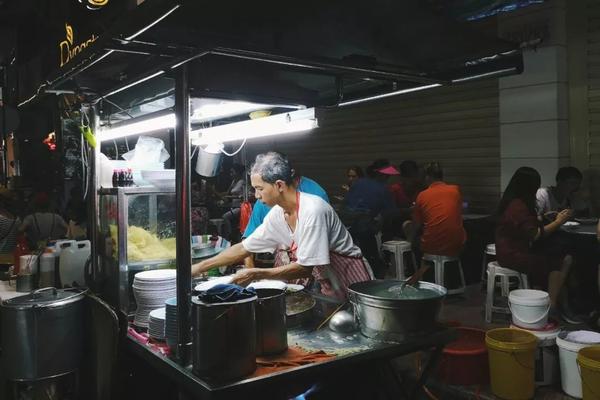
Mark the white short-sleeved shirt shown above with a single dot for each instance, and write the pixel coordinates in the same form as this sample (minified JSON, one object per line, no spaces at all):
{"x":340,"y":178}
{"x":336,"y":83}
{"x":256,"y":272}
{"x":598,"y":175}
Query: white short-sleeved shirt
{"x":318,"y":232}
{"x":545,"y":202}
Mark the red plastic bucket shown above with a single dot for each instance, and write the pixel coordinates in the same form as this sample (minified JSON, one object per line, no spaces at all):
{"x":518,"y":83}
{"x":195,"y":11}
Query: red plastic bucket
{"x":465,"y":361}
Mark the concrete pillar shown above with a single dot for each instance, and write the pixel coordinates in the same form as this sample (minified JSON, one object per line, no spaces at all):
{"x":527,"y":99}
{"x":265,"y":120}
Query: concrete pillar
{"x":534,"y":127}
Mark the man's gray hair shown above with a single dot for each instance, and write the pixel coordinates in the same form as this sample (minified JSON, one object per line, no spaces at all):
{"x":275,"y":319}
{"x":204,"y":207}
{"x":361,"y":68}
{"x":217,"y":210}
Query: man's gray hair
{"x":271,"y":167}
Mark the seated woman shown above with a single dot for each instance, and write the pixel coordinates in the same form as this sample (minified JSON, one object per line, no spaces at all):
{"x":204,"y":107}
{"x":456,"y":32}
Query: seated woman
{"x":519,"y":228}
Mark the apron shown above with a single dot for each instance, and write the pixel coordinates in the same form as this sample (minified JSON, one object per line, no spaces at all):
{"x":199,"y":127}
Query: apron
{"x":334,"y":278}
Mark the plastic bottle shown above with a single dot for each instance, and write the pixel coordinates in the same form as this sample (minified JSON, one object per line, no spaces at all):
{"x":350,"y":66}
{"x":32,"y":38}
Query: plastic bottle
{"x":115,"y":178}
{"x":129,"y":177}
{"x":21,"y":248}
{"x":121,"y":178}
{"x":47,"y":273}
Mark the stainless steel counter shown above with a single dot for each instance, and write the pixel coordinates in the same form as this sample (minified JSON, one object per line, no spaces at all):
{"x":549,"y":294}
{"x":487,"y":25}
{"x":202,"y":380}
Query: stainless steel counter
{"x":351,"y":349}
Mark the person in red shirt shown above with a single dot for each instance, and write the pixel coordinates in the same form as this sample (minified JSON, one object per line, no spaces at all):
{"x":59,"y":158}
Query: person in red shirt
{"x":437,"y":216}
{"x":519,"y":228}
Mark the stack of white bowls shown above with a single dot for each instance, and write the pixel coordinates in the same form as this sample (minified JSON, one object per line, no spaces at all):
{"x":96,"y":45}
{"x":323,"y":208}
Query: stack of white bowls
{"x":151,"y":289}
{"x":171,"y":321}
{"x":156,"y":324}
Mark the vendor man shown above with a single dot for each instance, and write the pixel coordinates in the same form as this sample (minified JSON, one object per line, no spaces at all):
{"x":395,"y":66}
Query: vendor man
{"x":306,"y":224}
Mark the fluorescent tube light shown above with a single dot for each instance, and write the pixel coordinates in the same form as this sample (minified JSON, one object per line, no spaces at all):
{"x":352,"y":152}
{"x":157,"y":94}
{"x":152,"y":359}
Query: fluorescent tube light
{"x":485,"y":75}
{"x":295,"y":121}
{"x":211,"y":109}
{"x":384,"y":95}
{"x":166,"y":121}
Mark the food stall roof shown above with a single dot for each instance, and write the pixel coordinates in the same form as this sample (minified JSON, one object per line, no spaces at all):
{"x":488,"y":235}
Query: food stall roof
{"x":313,"y":53}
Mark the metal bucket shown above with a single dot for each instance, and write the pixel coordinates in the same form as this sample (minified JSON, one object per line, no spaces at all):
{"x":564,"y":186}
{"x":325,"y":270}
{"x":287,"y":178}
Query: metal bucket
{"x":271,"y":331}
{"x":394,"y":318}
{"x":207,"y":163}
{"x":224,"y":339}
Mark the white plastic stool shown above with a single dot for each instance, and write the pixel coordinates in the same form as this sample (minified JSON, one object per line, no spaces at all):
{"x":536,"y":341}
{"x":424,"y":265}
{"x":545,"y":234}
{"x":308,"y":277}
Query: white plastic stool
{"x":494,"y":270}
{"x":439,"y":263}
{"x":218,"y":222}
{"x":490,"y":250}
{"x":399,"y":248}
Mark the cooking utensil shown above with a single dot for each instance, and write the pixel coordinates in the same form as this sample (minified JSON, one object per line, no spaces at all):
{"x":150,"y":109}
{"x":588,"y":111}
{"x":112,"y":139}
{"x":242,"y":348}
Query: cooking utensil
{"x":343,"y":322}
{"x":271,"y":331}
{"x":331,"y":315}
{"x":299,"y":308}
{"x":224,"y":338}
{"x":42,"y":333}
{"x":416,"y":277}
{"x":394,"y":318}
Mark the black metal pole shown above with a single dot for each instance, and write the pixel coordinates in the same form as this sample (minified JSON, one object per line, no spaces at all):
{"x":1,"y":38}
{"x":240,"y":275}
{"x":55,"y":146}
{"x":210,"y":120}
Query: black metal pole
{"x":182,"y":186}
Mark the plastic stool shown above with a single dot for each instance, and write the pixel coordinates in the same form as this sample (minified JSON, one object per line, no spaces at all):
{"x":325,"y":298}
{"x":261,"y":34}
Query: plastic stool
{"x":399,"y":248}
{"x":494,"y":270}
{"x":439,"y":262}
{"x":218,"y":222}
{"x":490,"y":250}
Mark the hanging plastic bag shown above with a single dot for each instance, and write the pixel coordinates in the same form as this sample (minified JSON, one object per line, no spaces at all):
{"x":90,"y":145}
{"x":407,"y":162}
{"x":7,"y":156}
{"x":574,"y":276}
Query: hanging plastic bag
{"x":245,"y":212}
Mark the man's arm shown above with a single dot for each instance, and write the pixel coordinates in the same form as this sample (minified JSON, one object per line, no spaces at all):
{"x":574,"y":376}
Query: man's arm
{"x":284,"y":273}
{"x":228,"y":256}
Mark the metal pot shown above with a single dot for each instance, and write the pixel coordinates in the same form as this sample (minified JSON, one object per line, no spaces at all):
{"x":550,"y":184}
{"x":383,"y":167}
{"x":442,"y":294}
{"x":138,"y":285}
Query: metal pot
{"x":224,"y":338}
{"x":388,"y":318}
{"x":42,"y":334}
{"x":271,"y":331}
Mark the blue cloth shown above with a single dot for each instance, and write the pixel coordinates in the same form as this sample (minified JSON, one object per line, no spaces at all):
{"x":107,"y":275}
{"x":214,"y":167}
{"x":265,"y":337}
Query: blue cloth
{"x":225,"y":293}
{"x":260,"y":209}
{"x":369,"y":195}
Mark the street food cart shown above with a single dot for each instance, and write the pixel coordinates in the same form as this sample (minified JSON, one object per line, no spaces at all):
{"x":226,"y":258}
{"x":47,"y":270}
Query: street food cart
{"x":173,"y":54}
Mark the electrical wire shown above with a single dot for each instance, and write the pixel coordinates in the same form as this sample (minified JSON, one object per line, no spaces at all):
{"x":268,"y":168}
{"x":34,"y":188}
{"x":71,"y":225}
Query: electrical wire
{"x":237,"y":151}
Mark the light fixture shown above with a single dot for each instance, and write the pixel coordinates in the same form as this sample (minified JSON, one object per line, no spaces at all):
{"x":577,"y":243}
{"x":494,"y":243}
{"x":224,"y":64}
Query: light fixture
{"x":165,"y":121}
{"x":395,"y":93}
{"x":211,"y":109}
{"x":295,"y":121}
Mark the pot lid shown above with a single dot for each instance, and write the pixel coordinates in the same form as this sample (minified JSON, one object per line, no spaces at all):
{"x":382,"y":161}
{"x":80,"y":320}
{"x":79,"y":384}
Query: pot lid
{"x":46,"y":297}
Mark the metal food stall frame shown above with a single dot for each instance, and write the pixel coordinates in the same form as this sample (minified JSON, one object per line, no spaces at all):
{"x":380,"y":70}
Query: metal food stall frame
{"x":178,"y":61}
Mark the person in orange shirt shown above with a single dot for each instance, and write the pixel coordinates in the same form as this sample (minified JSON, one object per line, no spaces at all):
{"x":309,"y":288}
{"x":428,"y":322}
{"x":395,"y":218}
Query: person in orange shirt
{"x":437,"y":226}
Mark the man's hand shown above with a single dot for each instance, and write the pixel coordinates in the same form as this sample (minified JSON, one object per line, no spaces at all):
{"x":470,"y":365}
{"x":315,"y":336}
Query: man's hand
{"x":564,"y":216}
{"x":245,"y":276}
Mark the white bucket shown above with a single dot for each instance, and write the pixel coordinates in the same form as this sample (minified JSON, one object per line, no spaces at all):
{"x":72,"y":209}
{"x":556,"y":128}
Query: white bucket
{"x":546,"y":356}
{"x":529,"y":308}
{"x":207,"y":163}
{"x":569,"y":370}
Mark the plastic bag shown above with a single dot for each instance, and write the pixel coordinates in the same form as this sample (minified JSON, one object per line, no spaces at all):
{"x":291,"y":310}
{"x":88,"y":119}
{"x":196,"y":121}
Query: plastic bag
{"x":148,"y":150}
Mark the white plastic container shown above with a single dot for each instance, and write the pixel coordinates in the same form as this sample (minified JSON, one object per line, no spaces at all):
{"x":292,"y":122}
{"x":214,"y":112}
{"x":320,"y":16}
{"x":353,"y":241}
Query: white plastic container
{"x":529,"y":308}
{"x":47,"y":269}
{"x":72,"y":263}
{"x":569,"y":370}
{"x":546,"y":356}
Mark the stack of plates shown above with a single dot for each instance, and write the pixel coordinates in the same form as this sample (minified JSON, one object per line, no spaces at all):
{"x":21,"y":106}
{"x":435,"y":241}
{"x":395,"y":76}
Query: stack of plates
{"x":171,"y":327}
{"x":156,"y":324}
{"x":151,"y":289}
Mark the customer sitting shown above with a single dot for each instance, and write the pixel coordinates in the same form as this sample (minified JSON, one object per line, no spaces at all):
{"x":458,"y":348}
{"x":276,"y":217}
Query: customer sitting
{"x":518,"y":228}
{"x":43,"y":224}
{"x":368,"y":199}
{"x":436,"y":227}
{"x":551,"y":199}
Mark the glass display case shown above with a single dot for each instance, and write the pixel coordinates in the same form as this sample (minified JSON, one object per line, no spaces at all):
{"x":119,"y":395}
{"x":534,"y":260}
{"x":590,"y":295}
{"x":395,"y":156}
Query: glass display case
{"x":136,"y":233}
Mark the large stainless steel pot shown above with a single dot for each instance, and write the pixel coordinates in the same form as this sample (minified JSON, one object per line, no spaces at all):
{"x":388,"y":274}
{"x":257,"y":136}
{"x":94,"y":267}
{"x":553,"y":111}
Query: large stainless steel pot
{"x":224,"y":338}
{"x":387,"y":318}
{"x":42,"y":334}
{"x":271,"y":331}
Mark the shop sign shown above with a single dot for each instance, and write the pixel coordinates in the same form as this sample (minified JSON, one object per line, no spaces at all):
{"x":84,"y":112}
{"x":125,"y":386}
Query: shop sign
{"x":68,"y":49}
